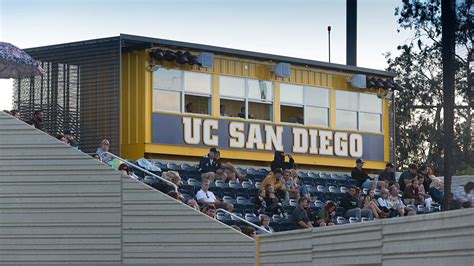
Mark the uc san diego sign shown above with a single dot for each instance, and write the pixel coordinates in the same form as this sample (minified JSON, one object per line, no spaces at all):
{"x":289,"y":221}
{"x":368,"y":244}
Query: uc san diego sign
{"x":244,"y":135}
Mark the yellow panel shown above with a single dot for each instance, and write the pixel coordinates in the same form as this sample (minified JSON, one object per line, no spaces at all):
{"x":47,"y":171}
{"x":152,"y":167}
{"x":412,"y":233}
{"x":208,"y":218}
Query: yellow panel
{"x":215,"y":96}
{"x":276,"y":99}
{"x":257,"y":156}
{"x":386,"y":129}
{"x":332,"y":110}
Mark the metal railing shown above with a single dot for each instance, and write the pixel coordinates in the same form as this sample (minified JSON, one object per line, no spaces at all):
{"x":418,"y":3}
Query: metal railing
{"x":142,"y":169}
{"x":243,"y":220}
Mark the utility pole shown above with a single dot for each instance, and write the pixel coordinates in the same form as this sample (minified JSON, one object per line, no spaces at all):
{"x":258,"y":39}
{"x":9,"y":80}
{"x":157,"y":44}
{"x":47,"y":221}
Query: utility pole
{"x":329,"y":42}
{"x":448,"y":20}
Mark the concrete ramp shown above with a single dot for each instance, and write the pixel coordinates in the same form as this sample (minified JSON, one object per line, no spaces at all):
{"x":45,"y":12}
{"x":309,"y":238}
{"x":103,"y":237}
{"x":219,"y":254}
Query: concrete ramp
{"x":60,"y":206}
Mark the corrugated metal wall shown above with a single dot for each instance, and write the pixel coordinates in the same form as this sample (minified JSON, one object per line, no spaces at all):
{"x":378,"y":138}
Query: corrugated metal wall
{"x":444,"y":238}
{"x":60,"y":206}
{"x":80,"y":90}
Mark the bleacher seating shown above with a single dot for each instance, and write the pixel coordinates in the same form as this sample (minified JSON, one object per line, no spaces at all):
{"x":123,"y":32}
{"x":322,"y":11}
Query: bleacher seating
{"x":321,"y":186}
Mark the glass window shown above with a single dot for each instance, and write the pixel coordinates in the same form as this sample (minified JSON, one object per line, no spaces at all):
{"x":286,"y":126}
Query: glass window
{"x":370,"y":122}
{"x":196,"y":104}
{"x":167,"y":79}
{"x":317,"y":116}
{"x":260,"y":111}
{"x":346,"y":119}
{"x":260,"y":89}
{"x":197,"y":82}
{"x":233,"y":87}
{"x":232,"y":108}
{"x":370,"y":103}
{"x":347,"y":100}
{"x":316,"y":96}
{"x":166,"y":101}
{"x":292,"y":114}
{"x":290,"y":93}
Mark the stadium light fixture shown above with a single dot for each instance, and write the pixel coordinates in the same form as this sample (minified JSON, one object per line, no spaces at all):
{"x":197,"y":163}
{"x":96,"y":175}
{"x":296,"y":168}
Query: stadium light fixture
{"x":170,"y":56}
{"x":379,"y":83}
{"x":181,"y":58}
{"x":158,"y":54}
{"x":370,"y":83}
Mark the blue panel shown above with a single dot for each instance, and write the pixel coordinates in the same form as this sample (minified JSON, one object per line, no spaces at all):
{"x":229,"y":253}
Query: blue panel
{"x":206,"y":59}
{"x":283,"y":70}
{"x":168,"y":129}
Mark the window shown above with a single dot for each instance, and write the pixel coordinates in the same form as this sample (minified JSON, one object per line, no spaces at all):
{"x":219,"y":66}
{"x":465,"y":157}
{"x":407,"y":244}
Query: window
{"x":304,"y":105}
{"x":246,"y":98}
{"x":181,"y":91}
{"x":358,"y":111}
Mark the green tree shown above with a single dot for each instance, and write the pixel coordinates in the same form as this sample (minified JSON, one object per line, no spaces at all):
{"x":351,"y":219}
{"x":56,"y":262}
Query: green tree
{"x":419,"y":120}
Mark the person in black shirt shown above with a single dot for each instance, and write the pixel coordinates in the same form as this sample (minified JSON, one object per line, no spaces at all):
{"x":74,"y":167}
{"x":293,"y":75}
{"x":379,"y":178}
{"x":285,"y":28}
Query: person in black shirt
{"x":423,"y":173}
{"x":388,"y":175}
{"x":279,"y":161}
{"x":37,"y":120}
{"x":300,"y":216}
{"x":208,"y":165}
{"x":363,"y":179}
{"x":351,"y":206}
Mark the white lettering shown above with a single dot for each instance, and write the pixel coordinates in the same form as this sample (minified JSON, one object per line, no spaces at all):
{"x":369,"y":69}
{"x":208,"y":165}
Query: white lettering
{"x":207,"y":137}
{"x":356,"y":147}
{"x":273,"y":139}
{"x":325,"y":138}
{"x":236,"y":135}
{"x":340,"y":144}
{"x":192,"y":130}
{"x":300,"y":140}
{"x":313,"y":141}
{"x":254,"y":137}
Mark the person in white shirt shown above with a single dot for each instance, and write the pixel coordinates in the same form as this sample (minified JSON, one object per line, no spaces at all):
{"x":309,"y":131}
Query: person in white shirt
{"x":206,"y":197}
{"x":383,"y":200}
{"x":463,"y":194}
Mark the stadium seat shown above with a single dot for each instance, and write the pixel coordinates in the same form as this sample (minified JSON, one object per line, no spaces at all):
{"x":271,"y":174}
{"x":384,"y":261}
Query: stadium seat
{"x":319,"y":181}
{"x":330,"y":196}
{"x":314,"y":175}
{"x":302,"y":174}
{"x":321,"y":188}
{"x":187,"y":189}
{"x":251,"y":217}
{"x":341,"y":220}
{"x":217,"y":192}
{"x":352,"y":182}
{"x":229,"y":191}
{"x":307,"y":181}
{"x":331,"y":182}
{"x":353,"y":220}
{"x":332,"y":189}
{"x":247,"y":184}
{"x":173,"y":166}
{"x":252,"y":192}
{"x":221,"y":184}
{"x":340,"y":211}
{"x":364,"y":219}
{"x":257,"y":184}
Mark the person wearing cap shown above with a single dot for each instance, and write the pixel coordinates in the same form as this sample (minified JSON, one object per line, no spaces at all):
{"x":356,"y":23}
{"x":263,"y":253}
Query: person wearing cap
{"x":388,"y":175}
{"x":407,"y":176}
{"x":209,"y":164}
{"x":363,"y":179}
{"x":70,"y":138}
{"x":350,"y":204}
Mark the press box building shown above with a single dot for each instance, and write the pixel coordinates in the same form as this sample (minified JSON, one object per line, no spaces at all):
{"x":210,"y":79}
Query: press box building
{"x":173,"y":100}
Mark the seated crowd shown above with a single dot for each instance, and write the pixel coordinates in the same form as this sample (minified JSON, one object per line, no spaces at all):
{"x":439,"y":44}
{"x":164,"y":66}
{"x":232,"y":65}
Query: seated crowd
{"x":285,"y":199}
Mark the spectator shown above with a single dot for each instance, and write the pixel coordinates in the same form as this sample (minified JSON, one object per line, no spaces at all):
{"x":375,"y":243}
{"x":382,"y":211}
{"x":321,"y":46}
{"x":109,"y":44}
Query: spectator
{"x":413,"y":196}
{"x":70,"y":138}
{"x":386,"y":205}
{"x":265,"y":221}
{"x":260,"y":203}
{"x":174,"y":178}
{"x":210,"y":210}
{"x":407,"y":176}
{"x":222,"y":110}
{"x":208,"y":165}
{"x":7,"y":112}
{"x":96,"y":156}
{"x":421,"y":190}
{"x":226,"y":171}
{"x":300,"y":216}
{"x":398,"y":204}
{"x":363,"y":179}
{"x":463,"y":194}
{"x":235,"y":227}
{"x":274,"y":178}
{"x":326,"y":214}
{"x":292,"y":188}
{"x":425,"y":179}
{"x":189,"y":108}
{"x":370,"y":203}
{"x":61,"y":138}
{"x":16,"y":114}
{"x":351,"y":206}
{"x":206,"y":197}
{"x":37,"y":120}
{"x":193,"y":204}
{"x":436,"y":191}
{"x":250,"y":231}
{"x":101,"y":151}
{"x":271,"y":201}
{"x":388,"y":175}
{"x":279,"y":161}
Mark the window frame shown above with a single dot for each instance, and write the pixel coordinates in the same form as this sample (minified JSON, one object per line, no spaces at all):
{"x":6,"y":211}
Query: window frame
{"x":182,"y":92}
{"x":246,"y":99}
{"x":358,"y":112}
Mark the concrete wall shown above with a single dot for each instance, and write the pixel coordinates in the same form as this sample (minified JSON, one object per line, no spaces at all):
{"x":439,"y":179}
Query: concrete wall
{"x":58,"y":206}
{"x":434,"y":239}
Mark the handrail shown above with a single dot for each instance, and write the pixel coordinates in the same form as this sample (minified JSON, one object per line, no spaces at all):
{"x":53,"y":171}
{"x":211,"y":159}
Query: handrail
{"x":243,"y":220}
{"x":143,"y":170}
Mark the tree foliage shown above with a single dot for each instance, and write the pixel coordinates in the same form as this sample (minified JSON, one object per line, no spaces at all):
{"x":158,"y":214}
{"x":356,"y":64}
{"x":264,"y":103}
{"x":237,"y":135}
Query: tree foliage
{"x":419,"y":113}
